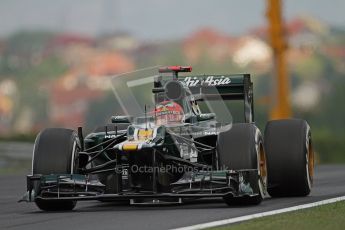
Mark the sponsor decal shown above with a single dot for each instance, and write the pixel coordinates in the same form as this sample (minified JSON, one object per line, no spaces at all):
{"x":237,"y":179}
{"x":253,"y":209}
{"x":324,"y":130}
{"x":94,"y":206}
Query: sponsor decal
{"x":209,"y":81}
{"x":125,"y":173}
{"x":210,"y":133}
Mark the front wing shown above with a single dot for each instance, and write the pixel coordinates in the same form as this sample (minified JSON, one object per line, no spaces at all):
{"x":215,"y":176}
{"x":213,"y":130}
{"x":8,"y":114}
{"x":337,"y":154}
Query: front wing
{"x":201,"y":184}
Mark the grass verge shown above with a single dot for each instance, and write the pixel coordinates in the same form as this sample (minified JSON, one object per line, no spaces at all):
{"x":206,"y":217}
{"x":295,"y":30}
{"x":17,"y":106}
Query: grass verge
{"x":330,"y":216}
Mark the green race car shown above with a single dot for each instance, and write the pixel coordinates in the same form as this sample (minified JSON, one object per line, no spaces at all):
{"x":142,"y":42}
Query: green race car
{"x":171,"y":151}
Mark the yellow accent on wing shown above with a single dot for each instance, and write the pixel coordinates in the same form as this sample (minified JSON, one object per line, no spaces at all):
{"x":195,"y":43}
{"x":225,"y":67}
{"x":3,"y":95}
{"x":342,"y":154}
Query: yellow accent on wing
{"x":130,"y":146}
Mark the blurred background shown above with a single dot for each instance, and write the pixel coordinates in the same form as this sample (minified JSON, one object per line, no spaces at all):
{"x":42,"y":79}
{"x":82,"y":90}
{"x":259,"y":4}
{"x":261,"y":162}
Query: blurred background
{"x":57,"y":58}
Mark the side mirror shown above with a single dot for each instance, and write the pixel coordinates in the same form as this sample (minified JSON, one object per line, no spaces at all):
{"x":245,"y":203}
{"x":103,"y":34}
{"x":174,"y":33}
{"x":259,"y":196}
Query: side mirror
{"x":206,"y":116}
{"x":121,"y":119}
{"x":158,"y":90}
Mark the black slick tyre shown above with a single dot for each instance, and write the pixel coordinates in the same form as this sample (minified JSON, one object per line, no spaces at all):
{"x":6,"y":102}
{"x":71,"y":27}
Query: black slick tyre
{"x":240,"y":148}
{"x":290,"y":157}
{"x":55,"y":152}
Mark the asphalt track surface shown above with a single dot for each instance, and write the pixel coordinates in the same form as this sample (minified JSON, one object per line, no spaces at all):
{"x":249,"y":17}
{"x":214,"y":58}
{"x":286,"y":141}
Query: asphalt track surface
{"x":329,"y":182}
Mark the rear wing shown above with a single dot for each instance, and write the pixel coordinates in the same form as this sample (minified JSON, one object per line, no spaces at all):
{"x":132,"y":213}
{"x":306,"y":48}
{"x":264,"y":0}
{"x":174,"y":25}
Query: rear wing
{"x":218,"y":87}
{"x":225,"y":87}
{"x":228,"y":87}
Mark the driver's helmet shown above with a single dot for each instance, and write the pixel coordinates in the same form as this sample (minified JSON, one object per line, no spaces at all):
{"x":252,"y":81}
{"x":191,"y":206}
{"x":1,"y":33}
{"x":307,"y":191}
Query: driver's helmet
{"x":168,"y":112}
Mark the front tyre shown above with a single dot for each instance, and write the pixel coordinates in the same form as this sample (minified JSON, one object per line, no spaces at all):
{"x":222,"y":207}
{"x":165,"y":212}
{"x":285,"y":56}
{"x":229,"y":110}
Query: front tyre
{"x":55,"y":152}
{"x":240,"y":148}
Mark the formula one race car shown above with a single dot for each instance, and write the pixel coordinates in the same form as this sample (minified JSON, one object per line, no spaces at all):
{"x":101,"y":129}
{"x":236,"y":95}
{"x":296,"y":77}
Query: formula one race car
{"x":173,"y":152}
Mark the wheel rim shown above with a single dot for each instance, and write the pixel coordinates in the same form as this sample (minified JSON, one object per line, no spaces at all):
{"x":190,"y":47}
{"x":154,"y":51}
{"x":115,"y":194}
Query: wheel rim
{"x":310,"y":163}
{"x":73,"y":156}
{"x":262,"y":167}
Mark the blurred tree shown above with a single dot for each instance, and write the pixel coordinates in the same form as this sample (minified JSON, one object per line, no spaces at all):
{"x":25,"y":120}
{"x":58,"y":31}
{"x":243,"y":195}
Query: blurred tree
{"x":327,"y":121}
{"x":100,"y":111}
{"x":310,"y":68}
{"x":23,"y":50}
{"x":26,"y":61}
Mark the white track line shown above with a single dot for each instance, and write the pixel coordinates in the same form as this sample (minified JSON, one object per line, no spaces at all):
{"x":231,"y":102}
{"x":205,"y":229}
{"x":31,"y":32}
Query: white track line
{"x":262,"y":214}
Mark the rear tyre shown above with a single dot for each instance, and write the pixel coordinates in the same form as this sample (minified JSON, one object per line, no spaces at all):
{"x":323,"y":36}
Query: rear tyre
{"x":241,"y":147}
{"x":290,"y":157}
{"x":55,"y":152}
